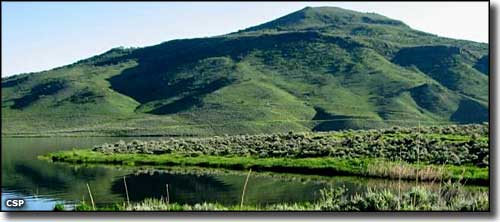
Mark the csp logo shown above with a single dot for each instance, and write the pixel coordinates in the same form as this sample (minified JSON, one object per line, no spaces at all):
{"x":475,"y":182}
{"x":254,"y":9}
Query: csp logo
{"x":14,"y":203}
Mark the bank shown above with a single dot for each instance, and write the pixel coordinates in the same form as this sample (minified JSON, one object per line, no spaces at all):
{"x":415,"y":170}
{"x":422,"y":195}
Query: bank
{"x":329,"y":166}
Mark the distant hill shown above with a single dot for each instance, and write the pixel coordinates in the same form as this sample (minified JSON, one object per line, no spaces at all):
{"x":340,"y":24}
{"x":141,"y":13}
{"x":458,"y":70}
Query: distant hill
{"x":315,"y":69}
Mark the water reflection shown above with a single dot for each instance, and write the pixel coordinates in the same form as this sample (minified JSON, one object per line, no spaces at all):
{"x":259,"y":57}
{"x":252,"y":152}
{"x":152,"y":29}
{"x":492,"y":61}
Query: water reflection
{"x":182,"y":188}
{"x":45,"y":183}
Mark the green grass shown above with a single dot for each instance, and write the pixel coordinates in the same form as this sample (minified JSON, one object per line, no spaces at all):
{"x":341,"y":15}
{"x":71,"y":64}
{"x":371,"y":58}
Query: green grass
{"x":322,"y":166}
{"x":450,"y":198}
{"x":456,"y":152}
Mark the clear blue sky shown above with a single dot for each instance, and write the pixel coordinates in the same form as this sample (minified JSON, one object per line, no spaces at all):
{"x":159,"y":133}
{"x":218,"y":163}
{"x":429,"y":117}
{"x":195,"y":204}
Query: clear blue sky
{"x":45,"y":35}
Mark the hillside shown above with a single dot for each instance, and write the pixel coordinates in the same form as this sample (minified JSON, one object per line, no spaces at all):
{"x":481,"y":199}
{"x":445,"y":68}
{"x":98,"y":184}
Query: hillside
{"x":316,"y":69}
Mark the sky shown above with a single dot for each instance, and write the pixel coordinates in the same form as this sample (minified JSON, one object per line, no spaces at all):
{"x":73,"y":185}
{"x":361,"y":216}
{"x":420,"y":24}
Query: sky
{"x":38,"y":36}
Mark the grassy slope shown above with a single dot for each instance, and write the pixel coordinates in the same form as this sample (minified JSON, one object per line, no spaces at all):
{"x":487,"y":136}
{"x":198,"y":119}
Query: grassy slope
{"x":316,"y":69}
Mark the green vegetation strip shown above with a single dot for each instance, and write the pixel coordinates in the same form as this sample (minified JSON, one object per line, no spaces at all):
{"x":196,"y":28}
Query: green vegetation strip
{"x":455,"y":145}
{"x":451,"y":197}
{"x":369,"y":167}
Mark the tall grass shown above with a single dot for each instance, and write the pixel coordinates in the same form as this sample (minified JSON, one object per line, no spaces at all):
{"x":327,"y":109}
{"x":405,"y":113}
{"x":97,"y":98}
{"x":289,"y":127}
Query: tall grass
{"x":245,"y":188}
{"x":91,"y":198}
{"x":452,"y":198}
{"x":126,"y":190}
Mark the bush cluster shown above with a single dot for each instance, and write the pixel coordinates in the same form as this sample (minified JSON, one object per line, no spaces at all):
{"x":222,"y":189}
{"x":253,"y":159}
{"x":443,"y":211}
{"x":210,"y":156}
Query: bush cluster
{"x":451,"y":197}
{"x":457,"y":145}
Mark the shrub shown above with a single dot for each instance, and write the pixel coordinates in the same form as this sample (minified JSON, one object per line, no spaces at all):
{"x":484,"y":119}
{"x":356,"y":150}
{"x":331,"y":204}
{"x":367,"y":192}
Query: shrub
{"x":59,"y":207}
{"x":435,"y":145}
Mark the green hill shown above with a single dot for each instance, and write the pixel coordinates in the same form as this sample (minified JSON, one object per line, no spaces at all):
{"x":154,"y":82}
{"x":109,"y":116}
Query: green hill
{"x":315,"y":69}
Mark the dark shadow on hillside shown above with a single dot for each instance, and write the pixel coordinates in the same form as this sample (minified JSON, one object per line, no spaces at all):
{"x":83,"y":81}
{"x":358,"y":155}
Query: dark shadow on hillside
{"x":439,"y":62}
{"x":193,"y":99}
{"x":470,"y":111}
{"x":158,"y":65}
{"x":433,"y":97}
{"x":14,"y":81}
{"x":329,"y":122}
{"x":482,"y":64}
{"x":44,"y":89}
{"x":179,"y":105}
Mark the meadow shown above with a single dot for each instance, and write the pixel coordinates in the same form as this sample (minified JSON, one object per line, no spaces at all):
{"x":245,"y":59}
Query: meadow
{"x":423,"y":153}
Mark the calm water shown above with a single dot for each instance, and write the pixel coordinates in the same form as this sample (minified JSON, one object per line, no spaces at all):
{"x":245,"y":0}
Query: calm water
{"x":43,"y":184}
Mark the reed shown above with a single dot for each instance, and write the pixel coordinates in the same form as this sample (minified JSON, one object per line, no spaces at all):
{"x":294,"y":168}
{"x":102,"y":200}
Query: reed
{"x":399,"y":181}
{"x":91,"y":198}
{"x":126,"y":190}
{"x":335,"y":199}
{"x":245,"y":188}
{"x":168,"y":194}
{"x":442,"y":169}
{"x":418,"y":162}
{"x":404,"y":171}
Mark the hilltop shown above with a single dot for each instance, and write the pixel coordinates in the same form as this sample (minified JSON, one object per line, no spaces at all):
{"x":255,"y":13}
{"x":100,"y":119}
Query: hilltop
{"x":316,"y":69}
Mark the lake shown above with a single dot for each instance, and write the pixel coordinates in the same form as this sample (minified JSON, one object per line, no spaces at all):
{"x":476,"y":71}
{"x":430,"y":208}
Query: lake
{"x":43,"y":184}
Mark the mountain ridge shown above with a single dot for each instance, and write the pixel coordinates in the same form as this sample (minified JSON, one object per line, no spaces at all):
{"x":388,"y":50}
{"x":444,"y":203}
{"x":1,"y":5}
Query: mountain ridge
{"x":320,"y":17}
{"x":361,"y":70}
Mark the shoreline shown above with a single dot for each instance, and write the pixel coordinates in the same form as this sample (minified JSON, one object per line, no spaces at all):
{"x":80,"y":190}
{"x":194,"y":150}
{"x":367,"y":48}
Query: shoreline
{"x":331,"y":199}
{"x":326,"y":166}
